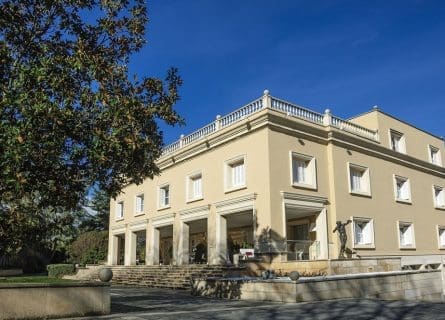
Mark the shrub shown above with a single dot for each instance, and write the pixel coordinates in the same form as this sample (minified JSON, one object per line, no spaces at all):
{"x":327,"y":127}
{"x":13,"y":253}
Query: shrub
{"x":59,"y":270}
{"x":89,"y":247}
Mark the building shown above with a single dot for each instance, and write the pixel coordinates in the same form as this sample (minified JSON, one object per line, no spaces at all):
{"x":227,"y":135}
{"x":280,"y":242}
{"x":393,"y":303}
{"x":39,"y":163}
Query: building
{"x":275,"y":177}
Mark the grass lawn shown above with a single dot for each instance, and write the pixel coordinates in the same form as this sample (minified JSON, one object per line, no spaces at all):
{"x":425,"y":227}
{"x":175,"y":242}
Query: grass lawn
{"x":33,"y":279}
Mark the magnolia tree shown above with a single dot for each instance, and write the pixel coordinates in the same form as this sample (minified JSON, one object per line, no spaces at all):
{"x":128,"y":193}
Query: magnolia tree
{"x":71,"y":114}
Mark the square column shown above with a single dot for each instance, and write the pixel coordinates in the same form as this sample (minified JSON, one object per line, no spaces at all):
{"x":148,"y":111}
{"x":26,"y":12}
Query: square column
{"x":148,"y":253}
{"x":130,"y":248}
{"x":113,"y":247}
{"x":183,"y":245}
{"x":153,"y":252}
{"x":221,"y":240}
{"x":321,"y":224}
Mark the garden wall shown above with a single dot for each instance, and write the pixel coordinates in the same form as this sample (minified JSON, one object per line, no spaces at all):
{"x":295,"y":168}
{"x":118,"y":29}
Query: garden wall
{"x":399,"y":285}
{"x":30,"y":301}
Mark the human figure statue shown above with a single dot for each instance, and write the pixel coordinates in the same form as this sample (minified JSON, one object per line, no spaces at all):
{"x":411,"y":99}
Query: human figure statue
{"x":343,"y":237}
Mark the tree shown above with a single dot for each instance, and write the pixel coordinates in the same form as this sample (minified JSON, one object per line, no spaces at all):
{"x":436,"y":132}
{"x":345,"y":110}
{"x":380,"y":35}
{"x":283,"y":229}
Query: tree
{"x":89,"y":247}
{"x":71,"y":114}
{"x":99,"y":218}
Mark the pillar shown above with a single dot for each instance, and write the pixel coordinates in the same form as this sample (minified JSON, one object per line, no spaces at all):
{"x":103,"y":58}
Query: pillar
{"x":113,"y":247}
{"x":183,"y":245}
{"x":130,"y":248}
{"x":153,"y":257}
{"x":221,"y":240}
{"x":148,"y":252}
{"x":322,"y":234}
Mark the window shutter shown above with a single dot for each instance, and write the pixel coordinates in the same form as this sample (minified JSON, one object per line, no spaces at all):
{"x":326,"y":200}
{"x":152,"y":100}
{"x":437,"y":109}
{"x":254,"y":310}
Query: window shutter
{"x":356,"y":177}
{"x":358,"y":233}
{"x":166,"y":196}
{"x":197,"y":192}
{"x":299,"y":170}
{"x":367,"y":233}
{"x":409,"y":234}
{"x":442,"y":237}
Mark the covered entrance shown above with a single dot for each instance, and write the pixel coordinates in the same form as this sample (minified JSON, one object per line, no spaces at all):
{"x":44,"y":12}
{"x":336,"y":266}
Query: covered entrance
{"x":166,"y":245}
{"x":305,"y":222}
{"x":193,"y":242}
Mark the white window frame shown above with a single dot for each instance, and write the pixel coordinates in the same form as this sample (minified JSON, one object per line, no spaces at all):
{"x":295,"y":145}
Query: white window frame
{"x":161,"y":204}
{"x":408,"y":191}
{"x":229,"y":184}
{"x":437,"y":204}
{"x":410,"y":225}
{"x":431,"y":150}
{"x":367,"y":243}
{"x":137,"y":211}
{"x":119,"y":213}
{"x":310,"y":171}
{"x":365,"y":179}
{"x":441,"y":238}
{"x":189,"y":188}
{"x":401,"y":146}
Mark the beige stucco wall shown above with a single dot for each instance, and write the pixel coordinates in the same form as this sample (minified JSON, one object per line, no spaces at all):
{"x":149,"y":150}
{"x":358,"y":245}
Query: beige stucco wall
{"x":416,"y":140}
{"x":382,"y":206}
{"x":42,"y":301}
{"x":280,"y":147}
{"x":266,"y":140}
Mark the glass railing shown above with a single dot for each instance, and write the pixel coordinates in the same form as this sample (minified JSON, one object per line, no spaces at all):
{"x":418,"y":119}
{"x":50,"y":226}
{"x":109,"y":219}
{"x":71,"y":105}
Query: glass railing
{"x":302,"y":250}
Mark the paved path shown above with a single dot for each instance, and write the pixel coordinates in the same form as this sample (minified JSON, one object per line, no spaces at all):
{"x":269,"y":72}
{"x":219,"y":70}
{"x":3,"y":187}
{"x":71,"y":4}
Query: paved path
{"x":148,"y":303}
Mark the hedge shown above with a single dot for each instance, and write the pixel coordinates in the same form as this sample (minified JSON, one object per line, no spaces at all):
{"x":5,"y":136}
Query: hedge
{"x":59,"y":270}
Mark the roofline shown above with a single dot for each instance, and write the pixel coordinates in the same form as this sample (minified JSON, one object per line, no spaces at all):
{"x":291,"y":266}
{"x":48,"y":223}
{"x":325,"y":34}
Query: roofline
{"x":395,"y":118}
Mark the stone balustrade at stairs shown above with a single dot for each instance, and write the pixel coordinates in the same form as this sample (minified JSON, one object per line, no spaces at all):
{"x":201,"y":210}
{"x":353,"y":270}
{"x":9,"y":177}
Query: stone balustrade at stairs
{"x":173,"y":277}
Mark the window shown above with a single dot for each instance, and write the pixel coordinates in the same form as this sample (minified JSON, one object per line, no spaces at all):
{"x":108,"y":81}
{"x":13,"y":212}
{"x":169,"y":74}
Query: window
{"x":363,"y":229}
{"x":164,"y":196}
{"x":397,"y":141}
{"x":402,"y":189}
{"x":303,"y":171}
{"x":441,"y":237}
{"x":120,"y":210}
{"x":359,"y":181}
{"x":406,"y":235}
{"x":194,"y":187}
{"x":140,"y":203}
{"x":235,"y":173}
{"x":439,"y":197}
{"x":434,"y":154}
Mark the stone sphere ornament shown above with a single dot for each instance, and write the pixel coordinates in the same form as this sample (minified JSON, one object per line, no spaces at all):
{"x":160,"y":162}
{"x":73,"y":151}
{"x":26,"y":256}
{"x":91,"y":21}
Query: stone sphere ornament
{"x":105,"y":274}
{"x":294,"y":275}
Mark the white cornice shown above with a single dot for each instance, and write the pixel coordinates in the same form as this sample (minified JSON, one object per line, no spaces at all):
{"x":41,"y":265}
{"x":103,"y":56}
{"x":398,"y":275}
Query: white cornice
{"x":163,"y":220}
{"x":118,"y":229}
{"x":138,"y":225}
{"x":197,"y":213}
{"x":238,"y":204}
{"x":302,"y":201}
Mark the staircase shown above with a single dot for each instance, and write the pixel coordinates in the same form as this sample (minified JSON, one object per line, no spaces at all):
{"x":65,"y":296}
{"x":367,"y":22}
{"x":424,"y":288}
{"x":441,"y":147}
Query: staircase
{"x":173,"y":277}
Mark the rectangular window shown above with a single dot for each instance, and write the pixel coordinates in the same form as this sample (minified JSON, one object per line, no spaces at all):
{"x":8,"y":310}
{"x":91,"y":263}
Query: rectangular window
{"x":140,"y":203}
{"x":235,"y":173}
{"x":194,"y":187}
{"x":120,"y":210}
{"x":441,"y":236}
{"x":402,"y":189}
{"x":397,"y":141}
{"x":435,"y":156}
{"x":164,"y":196}
{"x":406,"y":235}
{"x":363,"y":229}
{"x":359,"y":181}
{"x":439,"y":197}
{"x":303,"y":171}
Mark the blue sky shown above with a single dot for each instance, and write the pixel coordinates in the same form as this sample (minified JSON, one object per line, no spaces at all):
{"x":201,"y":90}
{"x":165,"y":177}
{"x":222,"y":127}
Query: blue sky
{"x":344,"y":55}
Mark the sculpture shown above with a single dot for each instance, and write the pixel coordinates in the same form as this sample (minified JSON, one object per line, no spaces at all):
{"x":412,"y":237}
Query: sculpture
{"x":343,"y":237}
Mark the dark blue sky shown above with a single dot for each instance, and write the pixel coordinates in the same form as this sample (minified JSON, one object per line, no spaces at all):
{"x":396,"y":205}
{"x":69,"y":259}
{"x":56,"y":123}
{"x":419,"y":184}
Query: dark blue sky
{"x":345,"y":55}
